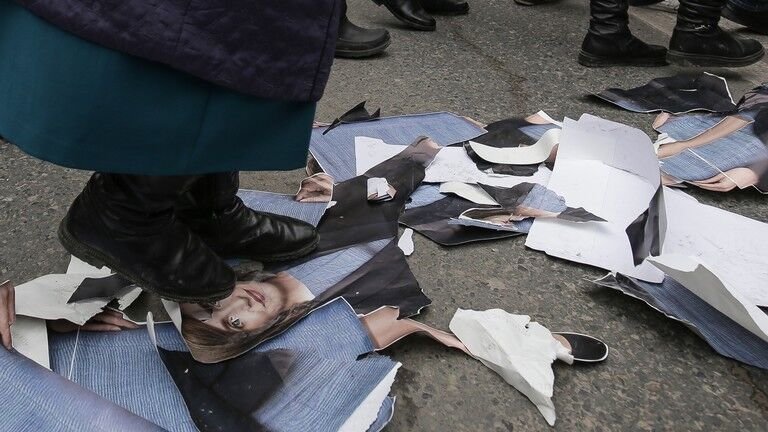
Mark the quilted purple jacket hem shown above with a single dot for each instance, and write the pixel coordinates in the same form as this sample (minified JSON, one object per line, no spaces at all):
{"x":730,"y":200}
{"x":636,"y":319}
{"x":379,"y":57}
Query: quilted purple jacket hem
{"x":274,"y":49}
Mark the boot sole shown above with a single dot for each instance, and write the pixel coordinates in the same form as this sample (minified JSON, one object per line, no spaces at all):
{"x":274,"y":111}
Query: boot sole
{"x":288,"y":256}
{"x":98,"y":259}
{"x":405,"y":20}
{"x":590,"y":60}
{"x":685,"y":59}
{"x":370,"y":52}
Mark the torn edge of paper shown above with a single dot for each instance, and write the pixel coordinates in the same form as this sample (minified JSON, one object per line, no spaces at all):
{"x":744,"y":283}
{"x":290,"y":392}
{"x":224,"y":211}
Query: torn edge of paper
{"x":405,"y":243}
{"x":368,"y":411}
{"x":524,"y":155}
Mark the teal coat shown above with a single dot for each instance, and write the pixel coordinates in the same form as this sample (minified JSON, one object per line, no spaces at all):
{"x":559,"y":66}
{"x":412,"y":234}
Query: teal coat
{"x":80,"y":105}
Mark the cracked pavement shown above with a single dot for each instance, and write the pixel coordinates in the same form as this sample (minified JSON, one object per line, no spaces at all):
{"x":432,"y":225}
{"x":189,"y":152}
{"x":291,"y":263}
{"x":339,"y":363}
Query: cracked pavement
{"x":502,"y":60}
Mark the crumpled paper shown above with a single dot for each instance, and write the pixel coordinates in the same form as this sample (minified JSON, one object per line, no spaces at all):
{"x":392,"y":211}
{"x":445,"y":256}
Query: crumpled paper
{"x":518,"y":349}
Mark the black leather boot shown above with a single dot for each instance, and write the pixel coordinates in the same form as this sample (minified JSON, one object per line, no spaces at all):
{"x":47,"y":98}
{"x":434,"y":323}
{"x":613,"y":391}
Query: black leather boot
{"x":445,"y":7}
{"x":609,"y":41}
{"x":698,"y":41}
{"x":757,"y":21}
{"x":410,"y":12}
{"x":213,"y":211}
{"x":358,"y":42}
{"x":127,"y":223}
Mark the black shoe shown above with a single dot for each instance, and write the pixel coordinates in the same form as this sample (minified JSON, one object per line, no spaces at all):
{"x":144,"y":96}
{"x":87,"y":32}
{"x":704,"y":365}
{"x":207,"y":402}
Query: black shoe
{"x":126,"y":222}
{"x":620,"y":50}
{"x":755,"y":21}
{"x":710,"y":46}
{"x":213,"y":211}
{"x":358,"y":42}
{"x":410,"y":12}
{"x":445,"y":7}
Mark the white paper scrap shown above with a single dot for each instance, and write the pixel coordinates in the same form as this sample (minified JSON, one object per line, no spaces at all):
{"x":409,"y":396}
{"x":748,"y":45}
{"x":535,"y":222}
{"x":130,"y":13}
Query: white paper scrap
{"x":470,"y":192}
{"x":78,"y":266}
{"x":30,"y":338}
{"x":525,"y":155}
{"x":697,"y":278}
{"x":368,"y":411}
{"x":549,"y":119}
{"x":378,"y":189}
{"x":46,"y":298}
{"x":610,"y":170}
{"x":519,"y":350}
{"x":405,"y":243}
{"x":732,"y":246}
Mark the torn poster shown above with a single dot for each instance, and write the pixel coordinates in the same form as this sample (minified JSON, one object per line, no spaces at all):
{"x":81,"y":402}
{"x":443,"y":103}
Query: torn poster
{"x":284,"y":204}
{"x":451,"y":164}
{"x":533,"y":154}
{"x":354,"y":219}
{"x":697,"y":278}
{"x":723,"y":334}
{"x":610,"y":170}
{"x":718,"y":152}
{"x":677,"y":94}
{"x":107,"y":287}
{"x":123,"y":367}
{"x":356,"y":114}
{"x":518,"y":349}
{"x":46,"y":298}
{"x":78,"y":266}
{"x":511,"y":134}
{"x":735,"y":250}
{"x":470,"y":192}
{"x":34,"y":398}
{"x":434,"y":221}
{"x":522,"y":202}
{"x":335,"y":152}
{"x":367,"y":276}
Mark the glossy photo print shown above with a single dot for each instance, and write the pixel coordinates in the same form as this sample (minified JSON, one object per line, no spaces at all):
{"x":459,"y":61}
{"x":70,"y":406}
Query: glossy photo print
{"x":718,"y":152}
{"x":677,"y":94}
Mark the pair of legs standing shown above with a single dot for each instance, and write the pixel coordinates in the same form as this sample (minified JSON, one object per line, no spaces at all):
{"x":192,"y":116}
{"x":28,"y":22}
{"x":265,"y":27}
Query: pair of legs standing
{"x":697,"y":39}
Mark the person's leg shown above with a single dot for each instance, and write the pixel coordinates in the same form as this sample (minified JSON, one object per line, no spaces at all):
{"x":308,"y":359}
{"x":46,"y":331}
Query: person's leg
{"x":609,"y":41}
{"x":358,"y":42}
{"x":698,"y":40}
{"x":752,"y":14}
{"x":213,"y":211}
{"x":127,"y":223}
{"x":410,"y":12}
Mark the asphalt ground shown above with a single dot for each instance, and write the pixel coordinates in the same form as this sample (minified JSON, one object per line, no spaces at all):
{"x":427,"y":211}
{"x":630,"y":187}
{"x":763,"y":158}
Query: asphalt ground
{"x":501,"y":60}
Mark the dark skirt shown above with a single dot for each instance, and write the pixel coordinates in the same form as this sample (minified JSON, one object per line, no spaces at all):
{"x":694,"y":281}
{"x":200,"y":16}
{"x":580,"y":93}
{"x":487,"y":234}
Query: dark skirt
{"x":79,"y":105}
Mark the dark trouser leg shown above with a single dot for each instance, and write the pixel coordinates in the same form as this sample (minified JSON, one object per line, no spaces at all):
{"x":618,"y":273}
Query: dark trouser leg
{"x":609,"y":41}
{"x":699,"y":41}
{"x":752,"y":14}
{"x":126,"y":222}
{"x":214,"y":212}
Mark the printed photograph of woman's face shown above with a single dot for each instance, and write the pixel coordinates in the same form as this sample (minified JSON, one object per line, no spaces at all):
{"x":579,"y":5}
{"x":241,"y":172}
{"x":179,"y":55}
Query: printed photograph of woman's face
{"x":257,"y":309}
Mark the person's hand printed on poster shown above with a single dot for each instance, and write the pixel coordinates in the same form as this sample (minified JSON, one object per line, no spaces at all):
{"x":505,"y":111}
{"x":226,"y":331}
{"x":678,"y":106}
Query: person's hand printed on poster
{"x":317,"y":188}
{"x":108,"y":320}
{"x":7,"y":312}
